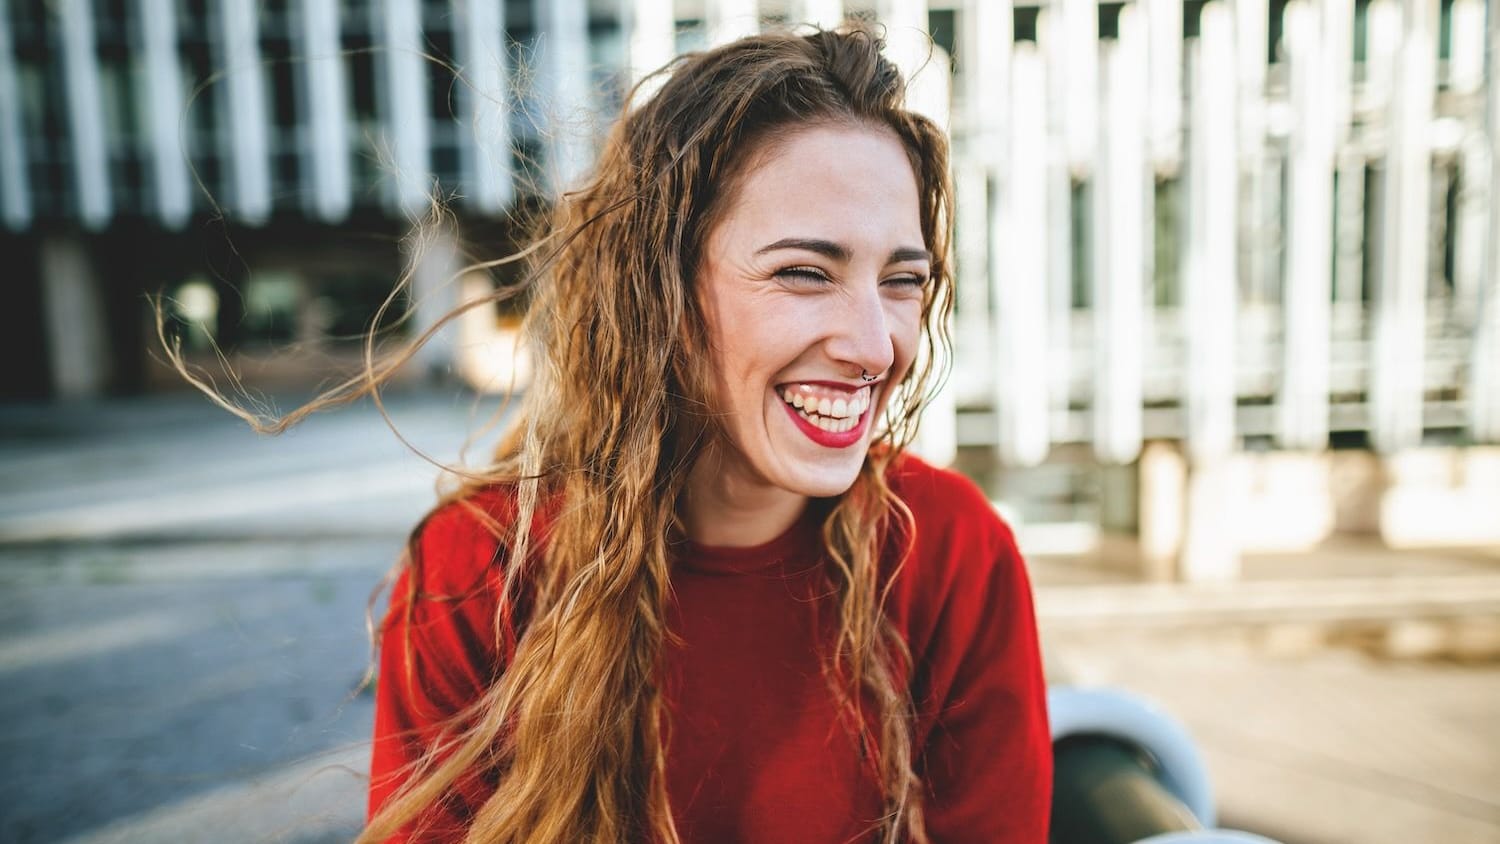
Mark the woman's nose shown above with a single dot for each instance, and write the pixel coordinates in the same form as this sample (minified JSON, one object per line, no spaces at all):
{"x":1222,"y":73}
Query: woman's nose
{"x":862,"y":336}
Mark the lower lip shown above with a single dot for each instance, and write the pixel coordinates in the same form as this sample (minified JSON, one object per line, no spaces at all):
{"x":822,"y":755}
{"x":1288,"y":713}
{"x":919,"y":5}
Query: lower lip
{"x":828,"y":439}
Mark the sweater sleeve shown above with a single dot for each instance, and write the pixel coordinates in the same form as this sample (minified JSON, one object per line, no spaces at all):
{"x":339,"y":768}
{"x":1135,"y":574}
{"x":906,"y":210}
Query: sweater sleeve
{"x":438,"y":655}
{"x":988,"y":758}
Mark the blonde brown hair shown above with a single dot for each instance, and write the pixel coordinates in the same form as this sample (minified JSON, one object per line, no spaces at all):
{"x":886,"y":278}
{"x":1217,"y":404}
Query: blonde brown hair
{"x":576,"y":722}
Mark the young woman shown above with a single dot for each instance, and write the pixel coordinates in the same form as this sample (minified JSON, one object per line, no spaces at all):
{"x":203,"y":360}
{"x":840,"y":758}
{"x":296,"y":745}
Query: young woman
{"x":702,"y":594}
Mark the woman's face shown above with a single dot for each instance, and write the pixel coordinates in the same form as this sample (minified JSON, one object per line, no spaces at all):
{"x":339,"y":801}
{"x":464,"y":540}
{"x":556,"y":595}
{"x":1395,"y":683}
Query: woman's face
{"x":814,"y":276}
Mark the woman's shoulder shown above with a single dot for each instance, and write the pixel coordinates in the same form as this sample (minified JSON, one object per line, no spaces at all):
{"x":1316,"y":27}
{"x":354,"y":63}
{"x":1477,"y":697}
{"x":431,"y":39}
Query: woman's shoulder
{"x":461,"y":541}
{"x":960,"y":543}
{"x":944,"y":502}
{"x":487,"y":511}
{"x":962,"y":571}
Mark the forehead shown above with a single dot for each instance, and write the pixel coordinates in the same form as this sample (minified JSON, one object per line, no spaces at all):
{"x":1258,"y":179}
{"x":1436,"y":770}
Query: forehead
{"x":850,"y":184}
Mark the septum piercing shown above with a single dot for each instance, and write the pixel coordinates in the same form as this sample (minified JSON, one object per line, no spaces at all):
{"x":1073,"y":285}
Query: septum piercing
{"x":866,"y":377}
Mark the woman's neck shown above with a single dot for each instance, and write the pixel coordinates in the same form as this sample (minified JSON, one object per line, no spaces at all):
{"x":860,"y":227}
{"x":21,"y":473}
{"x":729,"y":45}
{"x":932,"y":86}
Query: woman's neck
{"x":723,"y":508}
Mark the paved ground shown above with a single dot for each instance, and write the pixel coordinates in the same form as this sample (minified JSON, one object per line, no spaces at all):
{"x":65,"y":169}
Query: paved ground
{"x":182,"y":640}
{"x":142,"y":697}
{"x":1326,"y":747}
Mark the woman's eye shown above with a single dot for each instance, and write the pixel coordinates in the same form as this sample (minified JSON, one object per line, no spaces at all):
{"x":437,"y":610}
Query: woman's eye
{"x":807,"y":275}
{"x":914,"y":282}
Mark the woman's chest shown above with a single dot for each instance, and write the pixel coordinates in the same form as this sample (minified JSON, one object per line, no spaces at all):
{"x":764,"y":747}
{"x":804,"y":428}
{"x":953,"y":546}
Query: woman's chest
{"x":757,"y":750}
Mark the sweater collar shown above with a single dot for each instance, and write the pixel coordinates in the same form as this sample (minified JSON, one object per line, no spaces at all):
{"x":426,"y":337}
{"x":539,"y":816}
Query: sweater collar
{"x":799,"y":544}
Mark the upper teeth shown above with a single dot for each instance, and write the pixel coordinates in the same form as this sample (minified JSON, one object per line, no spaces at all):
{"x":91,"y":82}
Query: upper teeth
{"x":812,"y":400}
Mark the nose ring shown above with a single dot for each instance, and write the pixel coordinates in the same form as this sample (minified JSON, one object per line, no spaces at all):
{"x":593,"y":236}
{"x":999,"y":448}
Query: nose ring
{"x":865,"y":376}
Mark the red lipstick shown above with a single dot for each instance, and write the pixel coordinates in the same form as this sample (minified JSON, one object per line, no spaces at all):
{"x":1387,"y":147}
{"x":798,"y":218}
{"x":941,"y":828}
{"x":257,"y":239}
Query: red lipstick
{"x":830,"y":439}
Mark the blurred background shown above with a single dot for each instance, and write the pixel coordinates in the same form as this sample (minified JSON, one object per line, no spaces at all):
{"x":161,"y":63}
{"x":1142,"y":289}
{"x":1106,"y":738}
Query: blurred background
{"x":1226,"y":352}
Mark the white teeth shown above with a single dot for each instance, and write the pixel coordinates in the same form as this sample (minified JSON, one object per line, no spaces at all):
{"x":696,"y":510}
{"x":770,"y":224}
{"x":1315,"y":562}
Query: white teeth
{"x":829,"y":423}
{"x":830,"y":414}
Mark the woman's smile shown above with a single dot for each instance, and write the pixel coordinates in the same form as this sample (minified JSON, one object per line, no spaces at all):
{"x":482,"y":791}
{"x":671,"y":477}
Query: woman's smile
{"x":833,"y":416}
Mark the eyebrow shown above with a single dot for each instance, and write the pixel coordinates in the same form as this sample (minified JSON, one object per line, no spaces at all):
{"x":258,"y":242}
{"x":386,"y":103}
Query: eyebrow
{"x":839,"y":252}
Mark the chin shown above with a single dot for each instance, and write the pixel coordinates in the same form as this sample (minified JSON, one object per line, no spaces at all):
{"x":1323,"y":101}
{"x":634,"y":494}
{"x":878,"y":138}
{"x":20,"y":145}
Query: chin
{"x":827,"y":482}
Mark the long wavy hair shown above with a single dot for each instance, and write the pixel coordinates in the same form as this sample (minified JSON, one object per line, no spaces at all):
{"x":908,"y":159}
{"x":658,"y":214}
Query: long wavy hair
{"x":619,"y":410}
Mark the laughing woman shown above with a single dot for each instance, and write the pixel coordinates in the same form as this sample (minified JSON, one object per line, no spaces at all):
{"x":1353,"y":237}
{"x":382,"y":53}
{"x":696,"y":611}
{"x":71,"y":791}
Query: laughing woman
{"x":703,"y":594}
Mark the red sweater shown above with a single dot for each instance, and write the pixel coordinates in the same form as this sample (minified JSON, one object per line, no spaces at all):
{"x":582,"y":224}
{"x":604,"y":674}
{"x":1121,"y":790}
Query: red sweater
{"x":757,"y":751}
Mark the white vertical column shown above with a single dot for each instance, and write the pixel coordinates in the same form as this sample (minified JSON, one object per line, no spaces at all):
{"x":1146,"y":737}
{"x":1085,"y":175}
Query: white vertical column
{"x":1119,"y":255}
{"x":1396,"y":392}
{"x":989,"y":37}
{"x":327,"y":115}
{"x":971,"y":183}
{"x":1303,"y":403}
{"x":1466,"y":80}
{"x":244,"y":80}
{"x":164,"y":104}
{"x":1251,"y":23}
{"x":1336,"y":22}
{"x":986,"y":48}
{"x":406,"y":102}
{"x":824,"y":13}
{"x":1251,"y":34}
{"x":1073,"y":59}
{"x":1466,"y":27}
{"x":15,"y":190}
{"x":1019,"y":244}
{"x":1484,"y":368}
{"x":85,"y":113}
{"x":1060,"y":250}
{"x":1382,"y":41}
{"x":1164,"y":42}
{"x":1060,"y":355}
{"x":731,"y":19}
{"x":1210,"y":286}
{"x":924,"y":65}
{"x":248,"y":121}
{"x":653,"y":36}
{"x":435,"y":289}
{"x":563,"y":42}
{"x":904,"y":15}
{"x":1210,"y":497}
{"x":487,"y":146}
{"x":929,"y":94}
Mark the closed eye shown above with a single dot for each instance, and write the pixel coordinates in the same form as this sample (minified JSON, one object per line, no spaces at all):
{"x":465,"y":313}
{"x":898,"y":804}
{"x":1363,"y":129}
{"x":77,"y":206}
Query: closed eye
{"x":804,"y":275}
{"x":914,"y":280}
{"x":908,"y":281}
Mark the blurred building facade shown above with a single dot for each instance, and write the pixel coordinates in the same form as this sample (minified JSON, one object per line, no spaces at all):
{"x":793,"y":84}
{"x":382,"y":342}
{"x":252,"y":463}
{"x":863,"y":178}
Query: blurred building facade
{"x":1199,"y":244}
